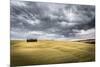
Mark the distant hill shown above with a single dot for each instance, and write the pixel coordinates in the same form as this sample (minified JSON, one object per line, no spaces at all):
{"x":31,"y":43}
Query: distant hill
{"x":91,"y":41}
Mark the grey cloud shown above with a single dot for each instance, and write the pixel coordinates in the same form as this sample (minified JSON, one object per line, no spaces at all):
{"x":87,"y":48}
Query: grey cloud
{"x":52,"y":18}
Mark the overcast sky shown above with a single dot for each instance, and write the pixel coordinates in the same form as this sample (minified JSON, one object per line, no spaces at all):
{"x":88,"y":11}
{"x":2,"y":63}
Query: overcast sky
{"x":51,"y":20}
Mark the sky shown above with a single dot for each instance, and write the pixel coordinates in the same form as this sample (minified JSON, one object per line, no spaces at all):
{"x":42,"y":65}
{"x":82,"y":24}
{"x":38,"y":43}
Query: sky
{"x":43,"y":20}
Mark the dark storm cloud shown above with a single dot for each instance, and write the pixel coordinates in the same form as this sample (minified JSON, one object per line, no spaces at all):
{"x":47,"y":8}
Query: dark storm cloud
{"x":56,"y":20}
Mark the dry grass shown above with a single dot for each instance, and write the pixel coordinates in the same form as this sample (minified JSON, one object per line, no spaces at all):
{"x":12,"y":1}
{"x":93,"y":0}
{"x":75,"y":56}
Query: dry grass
{"x":50,"y":52}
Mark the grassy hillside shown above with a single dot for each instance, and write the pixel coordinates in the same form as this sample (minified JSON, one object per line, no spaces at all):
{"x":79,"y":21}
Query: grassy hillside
{"x":50,"y":52}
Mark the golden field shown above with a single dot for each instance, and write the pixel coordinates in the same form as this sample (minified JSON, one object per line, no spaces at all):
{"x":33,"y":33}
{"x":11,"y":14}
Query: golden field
{"x":50,"y":52}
